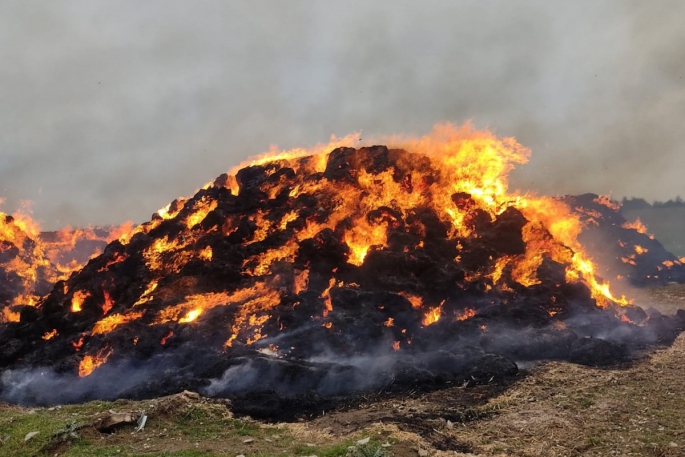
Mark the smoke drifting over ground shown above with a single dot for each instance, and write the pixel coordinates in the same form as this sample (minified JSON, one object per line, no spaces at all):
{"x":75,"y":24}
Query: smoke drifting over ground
{"x":108,"y":109}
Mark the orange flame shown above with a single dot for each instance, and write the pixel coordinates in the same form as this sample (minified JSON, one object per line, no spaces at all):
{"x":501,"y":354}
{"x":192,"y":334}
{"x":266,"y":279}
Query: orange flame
{"x":166,"y":338}
{"x":415,"y":300}
{"x":206,"y":254}
{"x":91,"y":362}
{"x":466,"y":314}
{"x":432,"y":316}
{"x":77,"y":300}
{"x":108,"y":304}
{"x":640,"y":250}
{"x":626,"y":319}
{"x":77,"y":344}
{"x":49,"y":335}
{"x":109,"y":323}
{"x":326,"y":295}
{"x":636,"y":225}
{"x":301,"y":281}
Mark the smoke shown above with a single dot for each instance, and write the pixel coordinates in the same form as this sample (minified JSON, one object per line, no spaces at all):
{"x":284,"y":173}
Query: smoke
{"x":110,"y":110}
{"x":590,"y":337}
{"x":44,"y":386}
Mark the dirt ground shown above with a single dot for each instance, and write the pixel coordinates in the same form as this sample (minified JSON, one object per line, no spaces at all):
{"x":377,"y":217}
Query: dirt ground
{"x":554,"y":409}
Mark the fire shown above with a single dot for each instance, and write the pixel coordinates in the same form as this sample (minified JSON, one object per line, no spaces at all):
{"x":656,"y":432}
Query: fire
{"x":396,"y":346}
{"x":458,"y":176}
{"x":147,"y":295}
{"x":203,"y":208}
{"x":636,"y":225}
{"x":49,"y":335}
{"x":326,"y":295}
{"x":260,"y":264}
{"x":472,"y":162}
{"x":466,"y":314}
{"x":191,"y":316}
{"x":91,"y":362}
{"x":108,"y":304}
{"x":608,"y":202}
{"x":77,"y":344}
{"x":192,"y":308}
{"x":432,"y":316}
{"x":109,"y":323}
{"x":301,"y":281}
{"x":640,"y":250}
{"x":630,"y":260}
{"x":35,"y":256}
{"x":626,"y":319}
{"x":77,"y":300}
{"x":118,"y":258}
{"x":206,"y":254}
{"x":415,"y":300}
{"x":9,"y":316}
{"x":166,"y":338}
{"x":252,"y":314}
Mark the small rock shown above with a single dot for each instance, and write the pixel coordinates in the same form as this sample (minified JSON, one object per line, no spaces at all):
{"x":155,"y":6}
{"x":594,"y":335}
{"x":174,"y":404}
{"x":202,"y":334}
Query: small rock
{"x":672,"y":444}
{"x":423,"y":453}
{"x":241,"y":455}
{"x":248,"y":441}
{"x":29,"y":436}
{"x":450,"y":424}
{"x":364,"y":441}
{"x":386,"y":444}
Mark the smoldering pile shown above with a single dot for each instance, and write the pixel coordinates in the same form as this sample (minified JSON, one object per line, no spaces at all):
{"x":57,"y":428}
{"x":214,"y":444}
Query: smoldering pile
{"x":323,"y":275}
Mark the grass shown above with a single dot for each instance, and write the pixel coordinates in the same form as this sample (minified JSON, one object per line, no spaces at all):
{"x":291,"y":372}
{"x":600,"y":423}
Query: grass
{"x":192,"y":429}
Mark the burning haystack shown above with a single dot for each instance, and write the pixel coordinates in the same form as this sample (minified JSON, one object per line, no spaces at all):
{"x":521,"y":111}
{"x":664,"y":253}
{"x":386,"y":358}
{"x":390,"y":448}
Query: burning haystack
{"x":332,"y":273}
{"x":32,"y":261}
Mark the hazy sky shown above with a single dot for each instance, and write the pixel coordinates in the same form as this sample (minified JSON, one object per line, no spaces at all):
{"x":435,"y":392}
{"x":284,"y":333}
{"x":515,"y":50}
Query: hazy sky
{"x":109,"y":110}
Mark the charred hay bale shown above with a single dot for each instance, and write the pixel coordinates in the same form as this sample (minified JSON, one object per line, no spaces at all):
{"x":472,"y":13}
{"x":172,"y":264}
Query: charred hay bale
{"x":505,"y":234}
{"x":532,"y":344}
{"x":596,"y":352}
{"x":490,"y":367}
